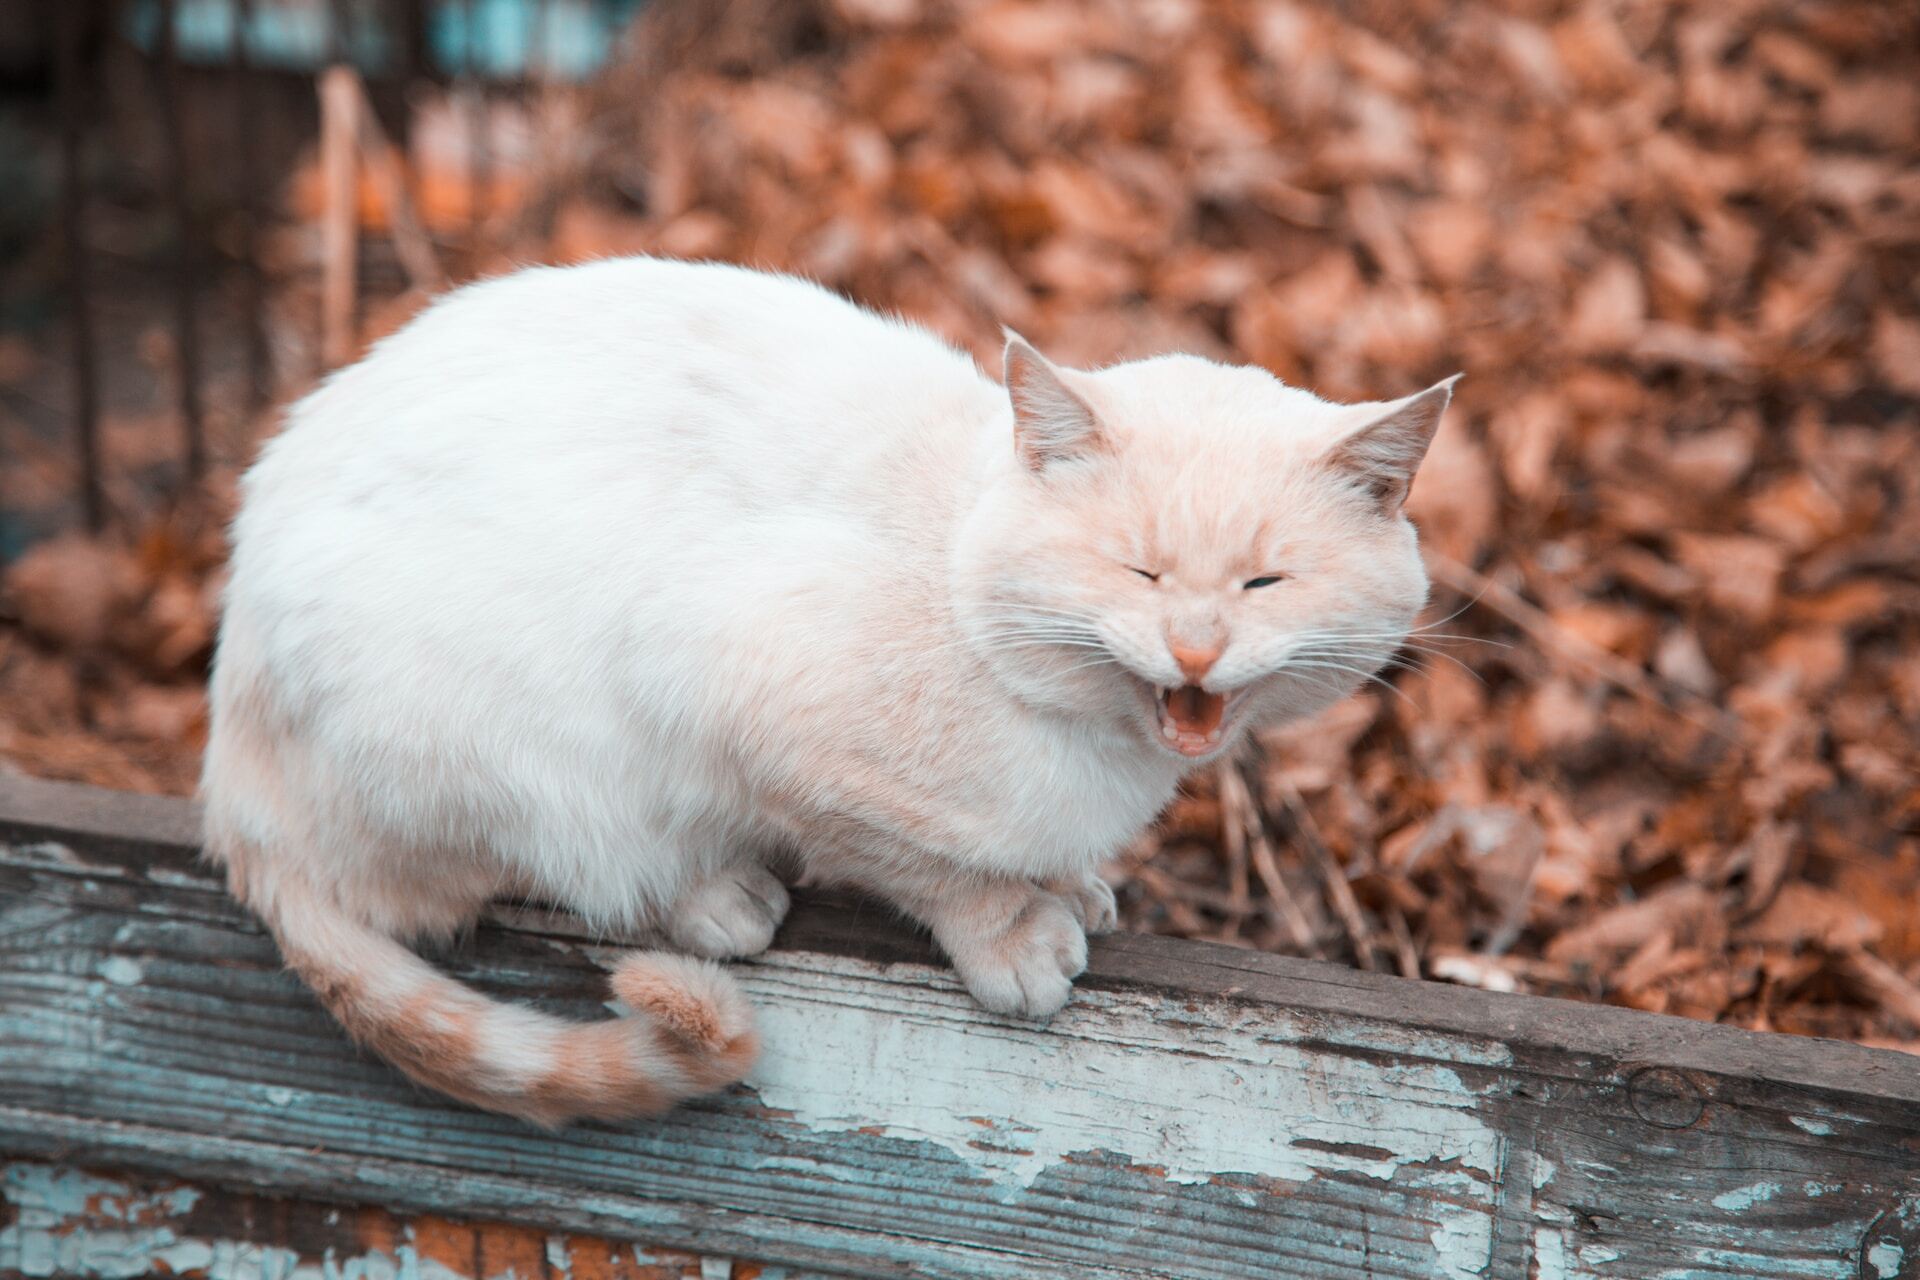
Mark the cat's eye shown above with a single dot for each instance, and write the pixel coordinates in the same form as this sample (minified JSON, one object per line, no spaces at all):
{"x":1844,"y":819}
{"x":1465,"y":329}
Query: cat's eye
{"x":1150,"y":577}
{"x":1252,"y":584}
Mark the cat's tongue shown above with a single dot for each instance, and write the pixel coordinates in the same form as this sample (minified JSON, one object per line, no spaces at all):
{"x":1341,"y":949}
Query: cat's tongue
{"x":1190,"y":719}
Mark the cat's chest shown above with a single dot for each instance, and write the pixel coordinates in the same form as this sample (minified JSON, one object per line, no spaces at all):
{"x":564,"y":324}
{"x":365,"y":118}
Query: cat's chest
{"x":1011,"y":792}
{"x":1085,"y":812}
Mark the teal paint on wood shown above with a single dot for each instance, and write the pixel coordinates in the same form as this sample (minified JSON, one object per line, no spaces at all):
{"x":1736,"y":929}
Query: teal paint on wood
{"x":1196,"y":1112}
{"x":62,"y":1223}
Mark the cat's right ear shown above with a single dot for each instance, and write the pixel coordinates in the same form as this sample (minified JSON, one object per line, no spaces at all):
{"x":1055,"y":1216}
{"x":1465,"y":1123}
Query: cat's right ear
{"x":1387,"y":448}
{"x":1050,"y":422}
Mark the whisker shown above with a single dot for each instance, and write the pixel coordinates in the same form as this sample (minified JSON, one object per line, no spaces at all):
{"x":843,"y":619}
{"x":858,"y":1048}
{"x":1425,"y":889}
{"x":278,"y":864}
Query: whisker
{"x":1028,"y":642}
{"x":1365,"y":676}
{"x":1089,"y":664}
{"x":1393,"y":660}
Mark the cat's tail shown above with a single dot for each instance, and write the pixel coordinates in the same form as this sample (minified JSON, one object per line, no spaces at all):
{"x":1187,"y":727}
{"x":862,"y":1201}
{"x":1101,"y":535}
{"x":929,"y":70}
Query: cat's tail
{"x":690,"y":1030}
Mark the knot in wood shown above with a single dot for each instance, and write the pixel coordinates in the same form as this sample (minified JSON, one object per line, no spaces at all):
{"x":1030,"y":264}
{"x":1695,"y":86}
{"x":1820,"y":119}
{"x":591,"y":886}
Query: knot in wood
{"x":1890,"y":1246}
{"x":1666,"y":1098}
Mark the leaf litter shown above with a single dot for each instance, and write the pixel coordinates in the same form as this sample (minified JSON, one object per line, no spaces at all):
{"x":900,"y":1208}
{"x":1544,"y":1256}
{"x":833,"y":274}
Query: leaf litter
{"x":1657,"y":746}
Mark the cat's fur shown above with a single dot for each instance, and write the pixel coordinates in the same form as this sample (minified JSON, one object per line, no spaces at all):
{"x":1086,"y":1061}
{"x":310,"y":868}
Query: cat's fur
{"x":615,"y":586}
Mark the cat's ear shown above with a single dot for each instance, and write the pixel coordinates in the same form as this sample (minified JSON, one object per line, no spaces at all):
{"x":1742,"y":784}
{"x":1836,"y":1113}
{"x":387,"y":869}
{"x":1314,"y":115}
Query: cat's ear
{"x":1389,"y":442}
{"x":1050,"y":422}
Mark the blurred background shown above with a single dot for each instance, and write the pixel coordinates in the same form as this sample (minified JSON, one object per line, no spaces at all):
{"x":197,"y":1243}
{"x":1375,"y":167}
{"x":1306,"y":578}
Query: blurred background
{"x":1658,"y":745}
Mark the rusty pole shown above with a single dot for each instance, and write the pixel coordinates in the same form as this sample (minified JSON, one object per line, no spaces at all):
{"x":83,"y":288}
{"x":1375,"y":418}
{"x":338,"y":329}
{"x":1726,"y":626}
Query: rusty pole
{"x":479,"y":177}
{"x":247,"y":167}
{"x":73,"y":84}
{"x":186,"y":326}
{"x":340,"y":185}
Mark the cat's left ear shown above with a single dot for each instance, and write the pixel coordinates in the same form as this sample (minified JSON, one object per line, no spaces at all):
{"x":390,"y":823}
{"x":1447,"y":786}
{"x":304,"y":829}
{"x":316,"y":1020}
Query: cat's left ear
{"x":1051,"y":423}
{"x":1390,"y":442}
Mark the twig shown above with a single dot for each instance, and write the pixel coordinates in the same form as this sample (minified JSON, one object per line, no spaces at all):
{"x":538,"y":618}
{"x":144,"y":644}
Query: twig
{"x":1884,"y":983}
{"x":1285,"y":903}
{"x":1345,"y":905}
{"x":1474,"y":971}
{"x":1405,"y":954}
{"x":1234,"y":830}
{"x":1176,"y":898}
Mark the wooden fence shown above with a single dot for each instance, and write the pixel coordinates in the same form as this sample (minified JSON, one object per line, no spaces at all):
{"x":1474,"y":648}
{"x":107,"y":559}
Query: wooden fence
{"x":173,"y":1102}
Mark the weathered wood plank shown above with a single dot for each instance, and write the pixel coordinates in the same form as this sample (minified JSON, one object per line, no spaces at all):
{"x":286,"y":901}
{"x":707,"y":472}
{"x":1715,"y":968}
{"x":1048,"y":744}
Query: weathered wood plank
{"x":76,"y":1224}
{"x":1197,"y":1111}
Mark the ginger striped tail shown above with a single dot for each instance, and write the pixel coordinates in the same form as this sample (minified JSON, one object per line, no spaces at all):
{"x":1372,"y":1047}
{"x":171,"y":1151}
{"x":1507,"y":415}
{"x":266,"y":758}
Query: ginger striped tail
{"x":690,"y":1030}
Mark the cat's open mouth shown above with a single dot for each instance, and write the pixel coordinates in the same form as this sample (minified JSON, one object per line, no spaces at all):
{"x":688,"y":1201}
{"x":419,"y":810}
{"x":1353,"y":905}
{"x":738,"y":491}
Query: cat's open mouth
{"x":1191,"y":719}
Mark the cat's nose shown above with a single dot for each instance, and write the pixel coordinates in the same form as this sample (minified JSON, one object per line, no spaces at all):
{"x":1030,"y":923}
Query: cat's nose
{"x":1194,"y":663}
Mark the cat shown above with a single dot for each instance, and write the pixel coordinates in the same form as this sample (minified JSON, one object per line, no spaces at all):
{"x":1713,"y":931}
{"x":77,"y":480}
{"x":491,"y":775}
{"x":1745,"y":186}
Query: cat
{"x":638,"y":586}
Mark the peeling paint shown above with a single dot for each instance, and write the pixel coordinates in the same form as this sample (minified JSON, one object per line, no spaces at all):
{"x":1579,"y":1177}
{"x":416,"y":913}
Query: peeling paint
{"x":121,"y":971}
{"x":1745,"y":1262}
{"x":1743,"y":1198}
{"x":51,"y":853}
{"x":1343,"y":1139}
{"x":1886,"y":1258}
{"x":810,"y":1166}
{"x":1173,"y":1098}
{"x":185,"y":880}
{"x":375,"y":1265}
{"x":67,"y":1193}
{"x":240,"y":1260}
{"x":48,"y":1200}
{"x":1463,"y":1245}
{"x":415,"y":1267}
{"x":1549,"y":1254}
{"x":1458,"y":1182}
{"x":76,"y":1226}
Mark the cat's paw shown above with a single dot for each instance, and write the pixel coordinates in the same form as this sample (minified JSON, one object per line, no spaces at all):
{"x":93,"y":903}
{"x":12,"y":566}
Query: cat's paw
{"x":1025,"y":961}
{"x":729,"y":915}
{"x":1091,"y":900}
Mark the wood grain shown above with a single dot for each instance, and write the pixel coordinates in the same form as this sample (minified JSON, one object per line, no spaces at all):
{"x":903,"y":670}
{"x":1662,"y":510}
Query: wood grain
{"x":1197,"y":1111}
{"x":79,"y":1224}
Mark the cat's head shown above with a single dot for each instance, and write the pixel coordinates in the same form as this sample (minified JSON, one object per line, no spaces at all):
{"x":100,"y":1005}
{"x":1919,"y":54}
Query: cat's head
{"x":1192,"y":547}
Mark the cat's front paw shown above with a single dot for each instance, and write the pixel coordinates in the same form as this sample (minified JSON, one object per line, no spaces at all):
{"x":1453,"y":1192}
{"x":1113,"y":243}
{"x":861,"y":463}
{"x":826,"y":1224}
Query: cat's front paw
{"x":1092,"y":902}
{"x":1022,"y":962}
{"x":730,"y":915}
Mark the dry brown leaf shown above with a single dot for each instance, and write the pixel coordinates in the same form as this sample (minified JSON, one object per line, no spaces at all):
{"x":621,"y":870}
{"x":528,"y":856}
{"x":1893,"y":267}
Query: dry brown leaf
{"x":74,"y":591}
{"x":1675,"y":510}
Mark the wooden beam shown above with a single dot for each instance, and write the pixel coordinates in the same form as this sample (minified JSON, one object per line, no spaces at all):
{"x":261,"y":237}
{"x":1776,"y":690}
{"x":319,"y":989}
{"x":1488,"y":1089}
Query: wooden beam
{"x":71,"y":1223}
{"x":1197,"y":1111}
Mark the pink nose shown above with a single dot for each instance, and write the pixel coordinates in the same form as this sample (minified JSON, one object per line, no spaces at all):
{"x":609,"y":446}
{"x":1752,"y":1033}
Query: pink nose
{"x":1194,"y":663}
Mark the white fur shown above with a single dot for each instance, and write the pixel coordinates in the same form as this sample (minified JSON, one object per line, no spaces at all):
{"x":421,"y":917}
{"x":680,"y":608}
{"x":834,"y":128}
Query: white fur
{"x":591,"y":582}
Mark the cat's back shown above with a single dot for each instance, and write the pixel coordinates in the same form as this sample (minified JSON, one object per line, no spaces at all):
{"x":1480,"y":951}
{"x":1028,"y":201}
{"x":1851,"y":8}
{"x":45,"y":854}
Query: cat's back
{"x":635,"y":456}
{"x":698,"y":368}
{"x":619,"y":411}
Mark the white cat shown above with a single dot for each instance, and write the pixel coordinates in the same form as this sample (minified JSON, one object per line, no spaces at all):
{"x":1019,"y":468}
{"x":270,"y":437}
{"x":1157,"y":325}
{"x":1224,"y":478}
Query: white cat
{"x":615,"y":586}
